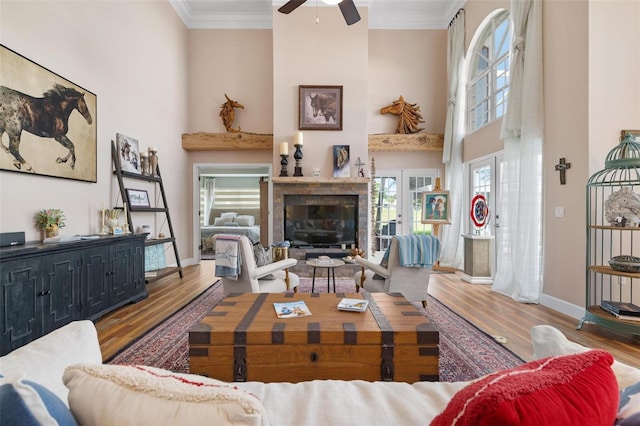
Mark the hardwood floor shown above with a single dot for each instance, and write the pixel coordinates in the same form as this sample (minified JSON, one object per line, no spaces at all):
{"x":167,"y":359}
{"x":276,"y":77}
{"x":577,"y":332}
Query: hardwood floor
{"x":491,"y":312}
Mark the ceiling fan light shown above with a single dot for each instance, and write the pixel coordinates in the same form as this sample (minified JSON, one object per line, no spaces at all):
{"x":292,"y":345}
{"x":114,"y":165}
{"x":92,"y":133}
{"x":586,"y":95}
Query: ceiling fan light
{"x":331,"y":2}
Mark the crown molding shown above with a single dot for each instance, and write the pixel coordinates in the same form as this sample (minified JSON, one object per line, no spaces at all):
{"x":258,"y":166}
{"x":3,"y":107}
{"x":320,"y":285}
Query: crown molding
{"x":383,"y":14}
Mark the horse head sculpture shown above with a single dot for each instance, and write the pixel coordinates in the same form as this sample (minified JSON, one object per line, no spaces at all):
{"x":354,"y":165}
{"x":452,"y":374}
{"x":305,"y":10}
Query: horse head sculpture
{"x":228,"y":113}
{"x":623,"y":204}
{"x":409,"y":115}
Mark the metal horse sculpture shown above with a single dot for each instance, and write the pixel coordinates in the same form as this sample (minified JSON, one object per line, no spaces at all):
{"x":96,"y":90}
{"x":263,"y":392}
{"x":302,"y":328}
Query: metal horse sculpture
{"x":228,"y":114}
{"x":46,"y":117}
{"x":409,"y":115}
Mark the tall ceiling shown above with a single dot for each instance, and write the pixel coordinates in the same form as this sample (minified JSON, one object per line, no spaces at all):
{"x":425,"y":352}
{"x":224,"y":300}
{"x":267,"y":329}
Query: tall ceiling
{"x":257,"y":14}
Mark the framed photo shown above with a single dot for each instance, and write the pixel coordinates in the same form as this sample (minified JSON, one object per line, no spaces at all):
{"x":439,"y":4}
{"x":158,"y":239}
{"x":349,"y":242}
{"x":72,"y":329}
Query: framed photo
{"x":128,"y":153}
{"x":320,"y":108}
{"x":634,"y":133}
{"x":341,"y":161}
{"x":435,"y":207}
{"x":138,"y":198}
{"x":67,"y":150}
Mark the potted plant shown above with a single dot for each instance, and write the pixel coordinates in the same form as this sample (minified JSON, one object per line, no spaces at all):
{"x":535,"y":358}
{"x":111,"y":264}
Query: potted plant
{"x":50,"y":221}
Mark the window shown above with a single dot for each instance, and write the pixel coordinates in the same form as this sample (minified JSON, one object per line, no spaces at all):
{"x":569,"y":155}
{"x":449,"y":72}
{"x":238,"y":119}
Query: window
{"x":488,"y":86}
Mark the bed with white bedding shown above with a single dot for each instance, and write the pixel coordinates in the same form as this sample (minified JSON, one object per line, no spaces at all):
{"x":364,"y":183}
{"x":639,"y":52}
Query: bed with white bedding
{"x":236,"y":222}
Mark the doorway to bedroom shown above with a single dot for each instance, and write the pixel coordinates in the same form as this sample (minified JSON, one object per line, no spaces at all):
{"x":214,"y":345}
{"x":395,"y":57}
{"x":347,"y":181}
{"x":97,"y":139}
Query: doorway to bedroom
{"x":230,"y":199}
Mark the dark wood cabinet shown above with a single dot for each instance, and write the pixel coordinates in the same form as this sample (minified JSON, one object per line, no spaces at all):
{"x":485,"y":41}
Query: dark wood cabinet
{"x":45,"y":286}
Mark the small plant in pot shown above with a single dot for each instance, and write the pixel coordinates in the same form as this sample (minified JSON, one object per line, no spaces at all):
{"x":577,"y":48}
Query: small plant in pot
{"x":50,"y":221}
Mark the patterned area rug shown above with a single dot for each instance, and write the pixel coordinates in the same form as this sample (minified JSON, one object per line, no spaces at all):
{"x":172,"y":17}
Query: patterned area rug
{"x":465,"y":351}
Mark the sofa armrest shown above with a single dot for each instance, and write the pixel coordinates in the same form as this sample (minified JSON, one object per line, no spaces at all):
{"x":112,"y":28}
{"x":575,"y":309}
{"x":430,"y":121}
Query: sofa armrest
{"x":375,"y":267}
{"x":273,"y":267}
{"x":45,"y":359}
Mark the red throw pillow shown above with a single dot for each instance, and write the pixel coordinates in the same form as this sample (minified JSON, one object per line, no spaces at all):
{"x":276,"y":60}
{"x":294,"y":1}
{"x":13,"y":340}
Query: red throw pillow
{"x":563,"y":390}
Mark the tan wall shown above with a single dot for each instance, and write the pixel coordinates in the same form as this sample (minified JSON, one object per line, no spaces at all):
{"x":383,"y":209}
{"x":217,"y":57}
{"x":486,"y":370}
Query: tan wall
{"x":327,"y":53}
{"x":139,"y":75}
{"x":566,"y":135}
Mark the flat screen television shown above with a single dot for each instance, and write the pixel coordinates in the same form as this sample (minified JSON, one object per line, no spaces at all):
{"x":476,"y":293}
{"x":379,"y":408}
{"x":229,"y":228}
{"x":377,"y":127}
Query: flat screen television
{"x":320,"y":221}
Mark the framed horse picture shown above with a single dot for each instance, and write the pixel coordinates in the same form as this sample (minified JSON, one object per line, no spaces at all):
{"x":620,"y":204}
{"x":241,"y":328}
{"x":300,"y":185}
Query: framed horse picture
{"x":320,"y":108}
{"x":47,"y":123}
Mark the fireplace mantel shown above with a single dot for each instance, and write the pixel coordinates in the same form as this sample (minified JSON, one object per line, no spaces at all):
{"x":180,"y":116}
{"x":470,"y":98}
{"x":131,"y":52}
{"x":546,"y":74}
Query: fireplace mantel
{"x":337,"y":180}
{"x":309,"y":186}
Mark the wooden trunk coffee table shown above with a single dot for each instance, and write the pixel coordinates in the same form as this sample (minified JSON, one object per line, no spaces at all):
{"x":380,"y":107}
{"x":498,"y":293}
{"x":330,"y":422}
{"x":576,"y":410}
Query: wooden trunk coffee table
{"x":242,"y":339}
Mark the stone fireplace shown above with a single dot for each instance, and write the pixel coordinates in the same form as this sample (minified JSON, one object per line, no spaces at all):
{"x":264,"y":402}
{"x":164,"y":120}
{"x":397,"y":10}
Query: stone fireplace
{"x":308,"y":187}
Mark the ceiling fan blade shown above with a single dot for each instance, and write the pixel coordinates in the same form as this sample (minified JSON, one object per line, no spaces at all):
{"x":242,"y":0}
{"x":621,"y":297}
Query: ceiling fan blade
{"x":349,"y":11}
{"x":290,"y":6}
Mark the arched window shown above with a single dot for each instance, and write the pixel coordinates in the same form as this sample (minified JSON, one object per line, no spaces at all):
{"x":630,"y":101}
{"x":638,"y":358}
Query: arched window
{"x":488,"y":85}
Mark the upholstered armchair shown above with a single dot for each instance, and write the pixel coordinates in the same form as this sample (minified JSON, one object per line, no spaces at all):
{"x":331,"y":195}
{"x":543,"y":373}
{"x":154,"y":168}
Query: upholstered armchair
{"x":257,"y":279}
{"x":411,"y":281}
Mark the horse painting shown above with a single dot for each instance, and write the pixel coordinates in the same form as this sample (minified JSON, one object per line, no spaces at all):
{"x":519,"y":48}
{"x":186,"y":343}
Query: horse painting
{"x":325,"y":105}
{"x":46,"y":117}
{"x":409,"y":115}
{"x":228,"y":114}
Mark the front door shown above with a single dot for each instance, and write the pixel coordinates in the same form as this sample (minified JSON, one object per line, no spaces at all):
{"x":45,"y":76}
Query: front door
{"x":399,"y":203}
{"x":484,"y":178}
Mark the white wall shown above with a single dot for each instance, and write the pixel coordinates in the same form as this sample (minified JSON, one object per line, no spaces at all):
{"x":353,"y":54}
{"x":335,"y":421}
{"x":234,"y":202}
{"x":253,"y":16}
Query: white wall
{"x":139,"y":75}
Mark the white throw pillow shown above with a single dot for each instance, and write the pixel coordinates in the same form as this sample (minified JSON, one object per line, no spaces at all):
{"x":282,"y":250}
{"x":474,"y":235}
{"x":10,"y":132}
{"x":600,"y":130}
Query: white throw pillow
{"x":138,"y":395}
{"x":245,"y":220}
{"x":220,"y":221}
{"x":228,"y":215}
{"x":549,"y":341}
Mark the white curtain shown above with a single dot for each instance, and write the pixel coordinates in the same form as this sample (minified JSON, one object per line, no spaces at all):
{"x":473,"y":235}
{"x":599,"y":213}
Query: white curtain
{"x":519,"y":262}
{"x":209,"y":186}
{"x":451,"y":242}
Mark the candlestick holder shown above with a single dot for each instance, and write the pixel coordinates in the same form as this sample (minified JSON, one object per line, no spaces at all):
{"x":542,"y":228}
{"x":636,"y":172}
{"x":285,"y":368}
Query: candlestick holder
{"x":297,"y":171}
{"x":284,"y":164}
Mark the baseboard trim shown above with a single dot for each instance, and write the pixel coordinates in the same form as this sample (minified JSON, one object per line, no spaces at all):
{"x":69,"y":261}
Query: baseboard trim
{"x":562,"y":306}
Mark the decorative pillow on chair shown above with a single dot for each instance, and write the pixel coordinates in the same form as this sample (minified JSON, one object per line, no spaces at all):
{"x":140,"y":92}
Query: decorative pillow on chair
{"x":25,"y":403}
{"x":138,"y":395}
{"x":263,"y":257}
{"x":561,"y":390}
{"x":629,"y":409}
{"x":384,"y":263}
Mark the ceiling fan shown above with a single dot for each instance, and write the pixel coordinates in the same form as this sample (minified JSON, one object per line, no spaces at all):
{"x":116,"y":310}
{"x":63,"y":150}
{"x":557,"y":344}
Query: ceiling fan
{"x":347,"y":7}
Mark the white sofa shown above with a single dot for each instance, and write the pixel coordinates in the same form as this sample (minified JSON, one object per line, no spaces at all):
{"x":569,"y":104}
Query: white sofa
{"x":122,"y":395}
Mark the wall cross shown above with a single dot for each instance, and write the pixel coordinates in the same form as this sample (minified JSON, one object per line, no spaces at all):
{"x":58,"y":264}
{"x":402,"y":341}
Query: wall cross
{"x":562,"y":168}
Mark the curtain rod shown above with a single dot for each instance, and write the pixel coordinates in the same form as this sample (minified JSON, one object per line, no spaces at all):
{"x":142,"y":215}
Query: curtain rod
{"x":455,"y":16}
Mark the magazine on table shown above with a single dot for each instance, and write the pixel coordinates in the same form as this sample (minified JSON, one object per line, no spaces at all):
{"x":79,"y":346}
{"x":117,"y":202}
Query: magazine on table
{"x":324,"y":260}
{"x":621,"y":308}
{"x":291,"y":309}
{"x":355,"y":305}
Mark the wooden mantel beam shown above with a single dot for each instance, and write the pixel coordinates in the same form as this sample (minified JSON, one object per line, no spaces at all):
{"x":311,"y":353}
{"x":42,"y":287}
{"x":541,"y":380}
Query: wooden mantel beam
{"x":406,"y":142}
{"x":240,"y":141}
{"x":243,"y":141}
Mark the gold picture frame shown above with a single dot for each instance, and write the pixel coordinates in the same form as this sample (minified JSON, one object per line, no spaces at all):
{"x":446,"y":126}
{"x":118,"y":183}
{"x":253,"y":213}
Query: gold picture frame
{"x":634,"y":133}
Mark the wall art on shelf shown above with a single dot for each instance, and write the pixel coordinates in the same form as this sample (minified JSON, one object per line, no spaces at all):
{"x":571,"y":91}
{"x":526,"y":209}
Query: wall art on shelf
{"x":57,"y":137}
{"x":341,"y":161}
{"x":634,"y":133}
{"x":435,"y":207}
{"x":320,"y":108}
{"x":138,"y":198}
{"x":128,"y":153}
